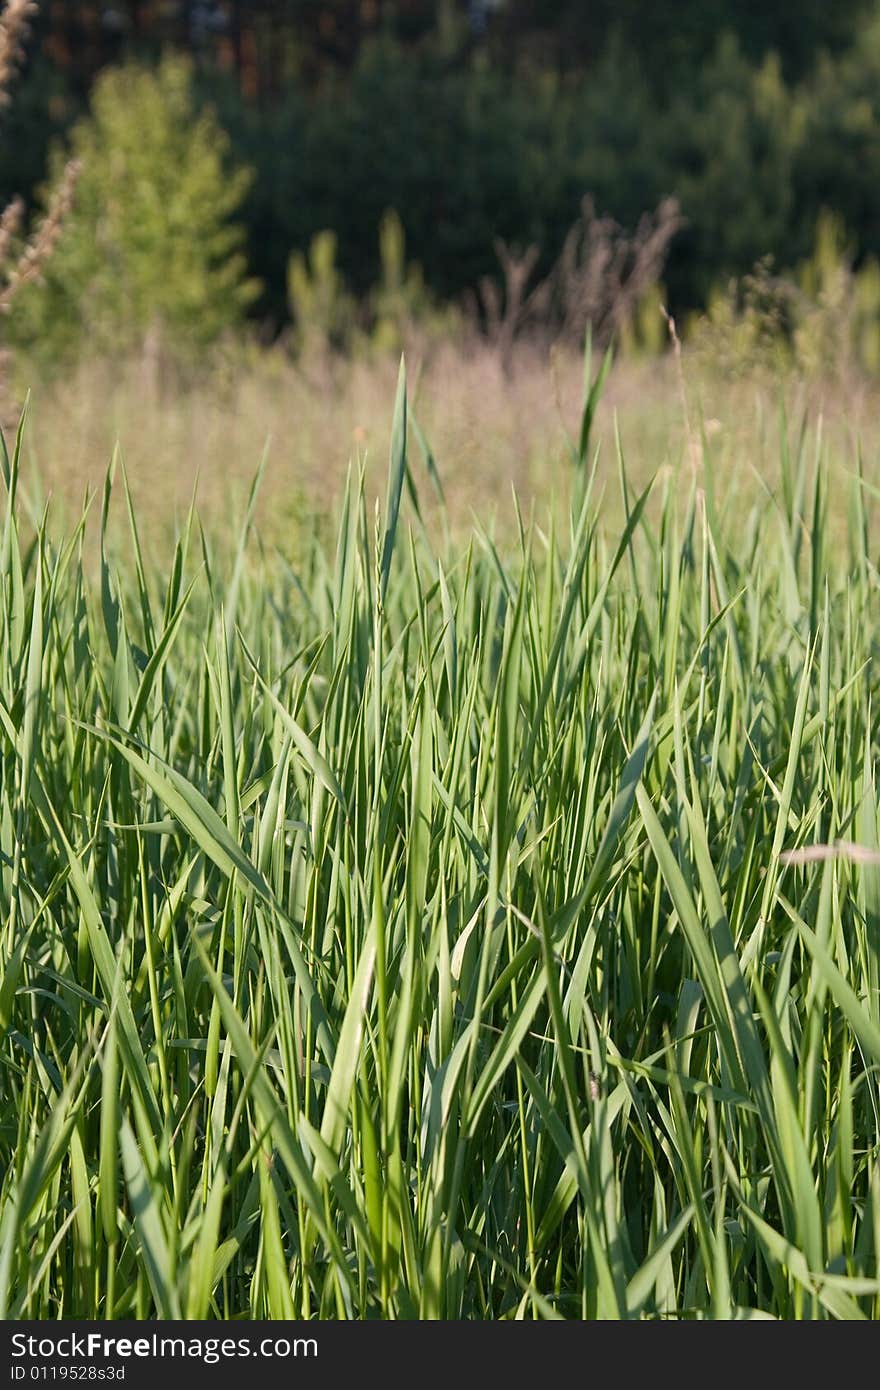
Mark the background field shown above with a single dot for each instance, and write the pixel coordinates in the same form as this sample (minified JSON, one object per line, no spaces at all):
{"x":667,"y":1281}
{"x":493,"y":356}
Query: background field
{"x":490,"y":433}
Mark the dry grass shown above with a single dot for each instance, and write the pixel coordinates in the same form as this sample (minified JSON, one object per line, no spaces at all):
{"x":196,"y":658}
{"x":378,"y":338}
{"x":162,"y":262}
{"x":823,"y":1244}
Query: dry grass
{"x":14,"y":23}
{"x":489,"y":431}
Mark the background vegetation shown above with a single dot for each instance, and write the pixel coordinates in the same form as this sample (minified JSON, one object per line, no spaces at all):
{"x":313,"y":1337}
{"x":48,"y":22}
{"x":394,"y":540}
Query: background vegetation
{"x":481,"y":121}
{"x":450,"y":889}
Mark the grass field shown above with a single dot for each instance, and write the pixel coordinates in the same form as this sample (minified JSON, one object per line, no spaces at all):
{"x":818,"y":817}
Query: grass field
{"x":489,"y":430}
{"x":442,"y":929}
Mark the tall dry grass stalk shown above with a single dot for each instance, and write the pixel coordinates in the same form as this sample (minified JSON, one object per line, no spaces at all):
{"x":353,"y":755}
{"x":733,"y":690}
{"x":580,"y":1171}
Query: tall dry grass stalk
{"x":38,"y":248}
{"x":14,"y":25}
{"x":23,"y":258}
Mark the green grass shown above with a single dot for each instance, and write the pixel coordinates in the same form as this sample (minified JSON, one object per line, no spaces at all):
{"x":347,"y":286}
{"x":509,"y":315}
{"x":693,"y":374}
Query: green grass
{"x":416,"y":935}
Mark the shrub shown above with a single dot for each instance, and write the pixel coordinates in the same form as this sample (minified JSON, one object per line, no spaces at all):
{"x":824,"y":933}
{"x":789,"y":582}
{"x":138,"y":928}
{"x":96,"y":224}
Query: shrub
{"x":599,"y":282}
{"x":821,"y":320}
{"x":322,"y":308}
{"x":749,"y":324}
{"x":328,"y":317}
{"x":401,"y":306}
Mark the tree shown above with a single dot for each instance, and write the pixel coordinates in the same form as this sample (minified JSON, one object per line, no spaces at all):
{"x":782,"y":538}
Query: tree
{"x":150,"y":253}
{"x":671,"y":41}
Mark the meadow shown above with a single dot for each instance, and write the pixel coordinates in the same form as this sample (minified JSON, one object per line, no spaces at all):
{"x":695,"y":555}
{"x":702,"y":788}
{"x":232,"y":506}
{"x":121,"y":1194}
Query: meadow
{"x":492,"y":433}
{"x":431,"y":914}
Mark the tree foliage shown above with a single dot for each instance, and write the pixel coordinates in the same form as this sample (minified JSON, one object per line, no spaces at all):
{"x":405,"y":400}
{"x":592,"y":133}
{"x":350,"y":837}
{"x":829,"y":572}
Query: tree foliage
{"x":150,"y":249}
{"x":485,"y":119}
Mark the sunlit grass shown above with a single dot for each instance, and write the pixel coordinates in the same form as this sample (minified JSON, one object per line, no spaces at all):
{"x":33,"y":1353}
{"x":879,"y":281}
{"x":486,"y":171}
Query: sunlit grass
{"x":414,"y":933}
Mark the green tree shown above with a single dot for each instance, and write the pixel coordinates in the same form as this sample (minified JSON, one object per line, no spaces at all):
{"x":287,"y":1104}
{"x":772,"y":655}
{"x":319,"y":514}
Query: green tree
{"x":839,"y":161}
{"x":150,"y":254}
{"x":727,"y":148}
{"x":671,"y":41}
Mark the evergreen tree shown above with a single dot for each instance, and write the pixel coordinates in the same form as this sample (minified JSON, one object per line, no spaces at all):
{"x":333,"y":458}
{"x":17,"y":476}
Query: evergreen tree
{"x":150,"y":250}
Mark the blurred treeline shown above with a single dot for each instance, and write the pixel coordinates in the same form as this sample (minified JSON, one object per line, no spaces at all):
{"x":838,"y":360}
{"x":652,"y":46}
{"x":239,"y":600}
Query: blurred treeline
{"x":479,"y":120}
